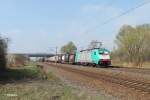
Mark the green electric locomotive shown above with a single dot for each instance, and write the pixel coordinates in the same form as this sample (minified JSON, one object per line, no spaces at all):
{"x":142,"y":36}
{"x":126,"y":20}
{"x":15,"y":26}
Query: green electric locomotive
{"x":96,"y":56}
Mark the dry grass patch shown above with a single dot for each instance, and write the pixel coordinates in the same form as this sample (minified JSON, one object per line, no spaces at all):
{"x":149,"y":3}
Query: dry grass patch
{"x":26,"y":83}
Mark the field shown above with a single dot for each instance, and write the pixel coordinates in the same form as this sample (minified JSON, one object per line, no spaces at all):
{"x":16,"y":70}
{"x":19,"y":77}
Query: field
{"x":27,"y":83}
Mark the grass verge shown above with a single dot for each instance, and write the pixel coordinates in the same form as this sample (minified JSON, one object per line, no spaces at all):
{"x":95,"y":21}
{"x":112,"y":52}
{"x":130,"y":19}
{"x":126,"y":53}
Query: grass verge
{"x":36,"y":88}
{"x":14,"y":74}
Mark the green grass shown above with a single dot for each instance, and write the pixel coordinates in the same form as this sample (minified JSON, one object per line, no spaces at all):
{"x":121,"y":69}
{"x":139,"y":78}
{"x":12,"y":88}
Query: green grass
{"x":19,"y":73}
{"x":29,"y":71}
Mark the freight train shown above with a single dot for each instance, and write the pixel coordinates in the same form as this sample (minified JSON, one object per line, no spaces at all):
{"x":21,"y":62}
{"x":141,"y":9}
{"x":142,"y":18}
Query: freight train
{"x":94,"y":57}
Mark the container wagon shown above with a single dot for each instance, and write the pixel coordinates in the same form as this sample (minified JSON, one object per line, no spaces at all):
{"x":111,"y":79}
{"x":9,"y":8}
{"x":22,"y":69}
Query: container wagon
{"x":53,"y":59}
{"x":65,"y":58}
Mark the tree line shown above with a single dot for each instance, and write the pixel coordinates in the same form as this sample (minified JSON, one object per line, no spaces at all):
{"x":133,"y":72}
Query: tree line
{"x":67,"y":48}
{"x":70,"y":46}
{"x":133,"y":44}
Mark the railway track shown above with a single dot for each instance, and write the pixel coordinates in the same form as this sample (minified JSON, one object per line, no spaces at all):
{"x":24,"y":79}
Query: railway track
{"x":134,"y":84}
{"x":143,"y":71}
{"x":122,"y":69}
{"x":135,"y":70}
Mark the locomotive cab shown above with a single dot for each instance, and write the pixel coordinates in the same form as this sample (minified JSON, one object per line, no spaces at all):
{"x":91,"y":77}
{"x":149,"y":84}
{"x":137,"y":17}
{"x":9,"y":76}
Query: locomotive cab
{"x":104,"y":57}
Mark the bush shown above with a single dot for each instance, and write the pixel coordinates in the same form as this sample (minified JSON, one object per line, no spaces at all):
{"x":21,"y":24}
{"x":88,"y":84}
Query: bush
{"x":3,"y":50}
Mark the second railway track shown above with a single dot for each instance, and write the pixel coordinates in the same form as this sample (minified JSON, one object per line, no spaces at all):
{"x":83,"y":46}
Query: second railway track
{"x":134,"y":84}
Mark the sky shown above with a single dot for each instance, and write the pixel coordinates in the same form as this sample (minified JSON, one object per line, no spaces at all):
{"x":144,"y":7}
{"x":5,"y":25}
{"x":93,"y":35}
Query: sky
{"x":37,"y":26}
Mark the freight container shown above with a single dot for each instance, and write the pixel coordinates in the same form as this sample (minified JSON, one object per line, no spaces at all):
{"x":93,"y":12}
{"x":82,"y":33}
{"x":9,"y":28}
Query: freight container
{"x":53,"y":59}
{"x":65,"y":58}
{"x":72,"y":57}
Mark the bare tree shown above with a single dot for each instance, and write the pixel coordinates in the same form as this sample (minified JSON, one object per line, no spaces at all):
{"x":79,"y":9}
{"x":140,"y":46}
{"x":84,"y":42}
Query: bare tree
{"x":134,"y":43}
{"x":70,"y":46}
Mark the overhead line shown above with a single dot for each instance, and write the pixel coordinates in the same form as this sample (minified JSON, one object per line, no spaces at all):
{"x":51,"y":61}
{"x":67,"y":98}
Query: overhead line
{"x":91,"y":18}
{"x":120,"y":15}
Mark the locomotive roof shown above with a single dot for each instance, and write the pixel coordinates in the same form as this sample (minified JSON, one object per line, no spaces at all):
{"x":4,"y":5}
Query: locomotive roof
{"x":94,"y":48}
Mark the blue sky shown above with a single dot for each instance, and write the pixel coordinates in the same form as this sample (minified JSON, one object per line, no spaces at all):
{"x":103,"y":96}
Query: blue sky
{"x":37,"y":25}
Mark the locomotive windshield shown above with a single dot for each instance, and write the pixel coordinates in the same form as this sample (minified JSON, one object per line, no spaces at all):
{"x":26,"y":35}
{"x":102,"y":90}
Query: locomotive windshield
{"x":103,"y":52}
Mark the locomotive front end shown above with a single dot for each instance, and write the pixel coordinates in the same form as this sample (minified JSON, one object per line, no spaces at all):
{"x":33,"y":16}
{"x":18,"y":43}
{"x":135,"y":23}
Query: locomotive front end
{"x":104,"y":57}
